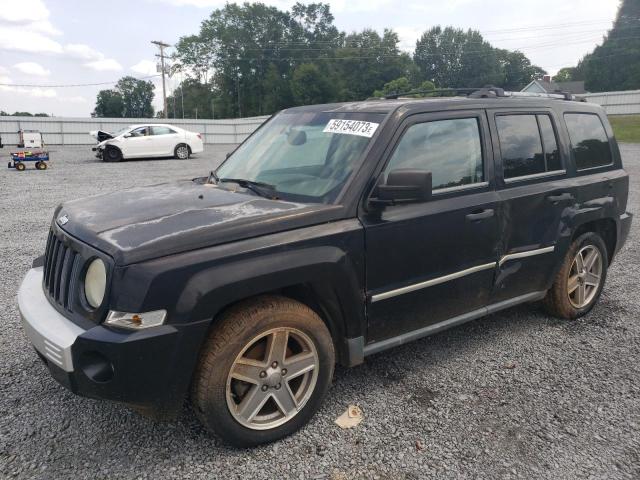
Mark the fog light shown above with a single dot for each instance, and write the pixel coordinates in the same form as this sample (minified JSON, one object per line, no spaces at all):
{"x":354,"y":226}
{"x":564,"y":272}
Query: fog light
{"x":136,"y":321}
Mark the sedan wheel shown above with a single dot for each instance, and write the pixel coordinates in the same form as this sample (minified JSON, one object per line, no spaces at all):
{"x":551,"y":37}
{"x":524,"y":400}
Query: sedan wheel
{"x":182,"y":152}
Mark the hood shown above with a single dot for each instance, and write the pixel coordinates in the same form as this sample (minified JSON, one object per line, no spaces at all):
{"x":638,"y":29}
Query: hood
{"x":101,"y":135}
{"x":153,"y":221}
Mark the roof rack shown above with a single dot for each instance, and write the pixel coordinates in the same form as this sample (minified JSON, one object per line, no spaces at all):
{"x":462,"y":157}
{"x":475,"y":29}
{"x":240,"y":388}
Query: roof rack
{"x":488,"y":91}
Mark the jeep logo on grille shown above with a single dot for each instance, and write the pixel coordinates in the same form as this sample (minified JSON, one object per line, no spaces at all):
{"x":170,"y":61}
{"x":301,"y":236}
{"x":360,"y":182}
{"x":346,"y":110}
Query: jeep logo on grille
{"x":63,"y":220}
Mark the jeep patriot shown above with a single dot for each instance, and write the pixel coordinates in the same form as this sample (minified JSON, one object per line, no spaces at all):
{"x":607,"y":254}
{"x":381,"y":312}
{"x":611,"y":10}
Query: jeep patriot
{"x":332,"y":233}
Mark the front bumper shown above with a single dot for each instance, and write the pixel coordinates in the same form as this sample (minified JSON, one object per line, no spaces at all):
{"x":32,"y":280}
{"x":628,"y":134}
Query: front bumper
{"x":150,"y":369}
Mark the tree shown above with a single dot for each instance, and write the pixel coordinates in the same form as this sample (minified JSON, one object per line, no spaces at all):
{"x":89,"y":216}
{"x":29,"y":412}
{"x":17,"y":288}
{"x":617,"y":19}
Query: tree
{"x":309,"y":86}
{"x":565,"y":74}
{"x":452,"y":57}
{"x":137,"y":97}
{"x":615,"y":65}
{"x":197,"y":98}
{"x":130,"y":98}
{"x":109,"y":103}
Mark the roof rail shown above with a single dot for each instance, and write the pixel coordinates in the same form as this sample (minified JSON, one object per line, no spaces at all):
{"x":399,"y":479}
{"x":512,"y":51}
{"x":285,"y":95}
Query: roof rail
{"x":488,"y":91}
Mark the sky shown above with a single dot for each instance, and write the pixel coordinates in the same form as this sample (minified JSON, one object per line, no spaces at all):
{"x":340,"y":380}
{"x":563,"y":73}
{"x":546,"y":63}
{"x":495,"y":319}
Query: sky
{"x":67,"y":42}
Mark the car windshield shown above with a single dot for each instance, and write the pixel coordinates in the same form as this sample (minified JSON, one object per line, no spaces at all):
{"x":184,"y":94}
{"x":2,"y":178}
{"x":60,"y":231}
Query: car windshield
{"x":306,"y":157}
{"x":122,"y":131}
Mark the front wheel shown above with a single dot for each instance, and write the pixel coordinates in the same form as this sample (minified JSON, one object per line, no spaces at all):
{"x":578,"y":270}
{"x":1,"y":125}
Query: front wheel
{"x":20,"y":166}
{"x":581,"y":277}
{"x":263,"y":372}
{"x":112,"y":154}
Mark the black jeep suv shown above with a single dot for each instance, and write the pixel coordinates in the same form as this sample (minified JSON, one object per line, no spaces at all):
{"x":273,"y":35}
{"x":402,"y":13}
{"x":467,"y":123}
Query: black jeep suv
{"x":332,"y":233}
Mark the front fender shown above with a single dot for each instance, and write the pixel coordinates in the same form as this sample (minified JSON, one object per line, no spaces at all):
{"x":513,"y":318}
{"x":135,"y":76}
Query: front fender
{"x":327,"y":260}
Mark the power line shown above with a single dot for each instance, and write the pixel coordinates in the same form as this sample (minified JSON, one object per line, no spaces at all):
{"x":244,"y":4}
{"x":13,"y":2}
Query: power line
{"x":70,"y":85}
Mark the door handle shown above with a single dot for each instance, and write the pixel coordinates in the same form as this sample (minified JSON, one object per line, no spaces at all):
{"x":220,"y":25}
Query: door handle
{"x":561,"y":197}
{"x":481,"y":215}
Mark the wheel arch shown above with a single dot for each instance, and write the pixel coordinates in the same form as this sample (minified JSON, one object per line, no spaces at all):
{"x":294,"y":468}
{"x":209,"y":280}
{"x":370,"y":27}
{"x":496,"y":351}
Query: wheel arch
{"x":606,"y":228}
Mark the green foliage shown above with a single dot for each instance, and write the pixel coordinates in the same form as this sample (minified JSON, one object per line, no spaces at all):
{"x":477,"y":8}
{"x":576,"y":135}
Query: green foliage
{"x":195,"y":97}
{"x":309,"y":85}
{"x":615,"y":65}
{"x":22,"y":114}
{"x":109,"y":103}
{"x":566,"y":74}
{"x":130,"y":98}
{"x":254,"y":59}
{"x":452,"y":57}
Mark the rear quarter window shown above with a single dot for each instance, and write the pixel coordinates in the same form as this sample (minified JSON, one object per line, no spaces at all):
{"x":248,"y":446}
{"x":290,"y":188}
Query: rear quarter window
{"x":589,"y":141}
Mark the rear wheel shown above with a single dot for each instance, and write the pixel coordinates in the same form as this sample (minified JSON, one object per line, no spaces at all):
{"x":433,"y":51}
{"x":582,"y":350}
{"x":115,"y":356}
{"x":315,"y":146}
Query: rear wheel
{"x":579,"y":282}
{"x":263,"y":371}
{"x":112,"y":154}
{"x":41,"y":165}
{"x":182,"y":151}
{"x":20,"y":166}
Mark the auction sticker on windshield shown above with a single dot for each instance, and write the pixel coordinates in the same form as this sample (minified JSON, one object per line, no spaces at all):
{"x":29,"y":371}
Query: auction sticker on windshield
{"x":351,"y":127}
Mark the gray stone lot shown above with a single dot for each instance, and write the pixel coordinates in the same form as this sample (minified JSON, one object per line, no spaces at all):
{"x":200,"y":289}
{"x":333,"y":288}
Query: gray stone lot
{"x":514,"y":395}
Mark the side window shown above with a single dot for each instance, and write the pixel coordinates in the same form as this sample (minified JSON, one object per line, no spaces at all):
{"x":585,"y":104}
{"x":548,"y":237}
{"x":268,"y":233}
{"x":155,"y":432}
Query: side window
{"x":520,"y":145}
{"x":449,"y":149}
{"x":140,"y":132}
{"x":161,"y":131}
{"x":589,"y":140}
{"x":549,"y":143}
{"x":528,"y":145}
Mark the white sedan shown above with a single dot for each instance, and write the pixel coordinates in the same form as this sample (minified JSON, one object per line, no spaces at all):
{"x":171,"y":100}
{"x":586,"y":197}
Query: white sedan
{"x":151,"y":140}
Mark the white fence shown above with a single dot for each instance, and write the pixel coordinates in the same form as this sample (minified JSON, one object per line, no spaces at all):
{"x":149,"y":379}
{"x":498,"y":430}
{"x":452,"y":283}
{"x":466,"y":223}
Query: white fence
{"x":616,"y":103}
{"x":75,"y":131}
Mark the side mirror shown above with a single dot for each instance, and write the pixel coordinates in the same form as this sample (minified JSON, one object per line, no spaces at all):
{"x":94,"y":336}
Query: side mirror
{"x":405,"y":186}
{"x":127,"y":135}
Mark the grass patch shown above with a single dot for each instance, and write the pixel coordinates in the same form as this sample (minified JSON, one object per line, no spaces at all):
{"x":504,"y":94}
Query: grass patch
{"x":626,"y":127}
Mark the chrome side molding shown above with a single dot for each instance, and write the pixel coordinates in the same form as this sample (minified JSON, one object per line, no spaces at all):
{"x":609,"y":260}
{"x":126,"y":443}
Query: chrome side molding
{"x":452,"y":276}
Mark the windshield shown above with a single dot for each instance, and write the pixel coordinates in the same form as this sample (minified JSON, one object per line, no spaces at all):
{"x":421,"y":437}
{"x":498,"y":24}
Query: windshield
{"x":122,"y":131}
{"x":306,"y":157}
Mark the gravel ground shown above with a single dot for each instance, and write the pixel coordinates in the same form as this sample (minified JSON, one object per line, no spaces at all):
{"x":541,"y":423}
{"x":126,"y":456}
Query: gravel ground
{"x":514,"y":395}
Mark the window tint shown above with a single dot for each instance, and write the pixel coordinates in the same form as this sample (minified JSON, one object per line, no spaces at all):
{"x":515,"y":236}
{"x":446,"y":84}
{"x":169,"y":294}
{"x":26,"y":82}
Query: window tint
{"x":520,"y":145}
{"x":162,"y":131}
{"x":550,"y":144}
{"x":589,"y":140}
{"x":449,"y":149}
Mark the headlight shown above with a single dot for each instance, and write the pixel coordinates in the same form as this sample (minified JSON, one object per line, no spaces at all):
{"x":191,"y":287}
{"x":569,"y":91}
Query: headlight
{"x":95,"y":283}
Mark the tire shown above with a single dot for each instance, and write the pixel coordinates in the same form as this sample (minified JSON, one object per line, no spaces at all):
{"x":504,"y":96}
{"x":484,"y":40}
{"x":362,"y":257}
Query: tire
{"x":41,"y":166}
{"x":112,"y":154}
{"x":243,"y":333}
{"x":182,"y":151}
{"x":564,"y":300}
{"x":20,"y":166}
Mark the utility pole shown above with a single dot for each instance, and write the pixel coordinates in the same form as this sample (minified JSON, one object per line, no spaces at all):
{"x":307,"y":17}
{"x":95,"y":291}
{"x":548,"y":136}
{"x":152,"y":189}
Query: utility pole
{"x":162,"y":46}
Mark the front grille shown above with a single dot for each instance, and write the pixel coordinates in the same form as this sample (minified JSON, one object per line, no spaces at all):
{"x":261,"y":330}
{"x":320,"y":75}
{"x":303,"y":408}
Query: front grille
{"x":61,"y":264}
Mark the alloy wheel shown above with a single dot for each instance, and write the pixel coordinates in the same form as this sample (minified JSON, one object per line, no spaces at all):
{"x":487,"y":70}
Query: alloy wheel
{"x":585,"y":276}
{"x":272,"y":379}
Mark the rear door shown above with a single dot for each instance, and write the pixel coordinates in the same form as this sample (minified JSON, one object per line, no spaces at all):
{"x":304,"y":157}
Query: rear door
{"x":164,"y":140}
{"x":535,"y":195}
{"x":432,"y":261}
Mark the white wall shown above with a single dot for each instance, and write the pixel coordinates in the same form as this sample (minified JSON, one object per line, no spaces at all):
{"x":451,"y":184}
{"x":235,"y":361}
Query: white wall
{"x":75,"y":131}
{"x":616,"y":103}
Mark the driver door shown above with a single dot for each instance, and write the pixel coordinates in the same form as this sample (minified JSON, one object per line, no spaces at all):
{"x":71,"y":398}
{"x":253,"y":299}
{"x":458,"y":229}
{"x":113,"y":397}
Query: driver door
{"x":138,"y":143}
{"x":434,"y":261}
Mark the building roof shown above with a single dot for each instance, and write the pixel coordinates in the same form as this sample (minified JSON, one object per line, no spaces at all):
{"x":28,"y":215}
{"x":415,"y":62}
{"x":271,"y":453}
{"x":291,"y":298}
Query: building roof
{"x":541,"y":86}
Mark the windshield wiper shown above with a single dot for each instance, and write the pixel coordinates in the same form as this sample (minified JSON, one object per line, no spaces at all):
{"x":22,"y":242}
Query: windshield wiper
{"x":263,"y":189}
{"x":212,"y":176}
